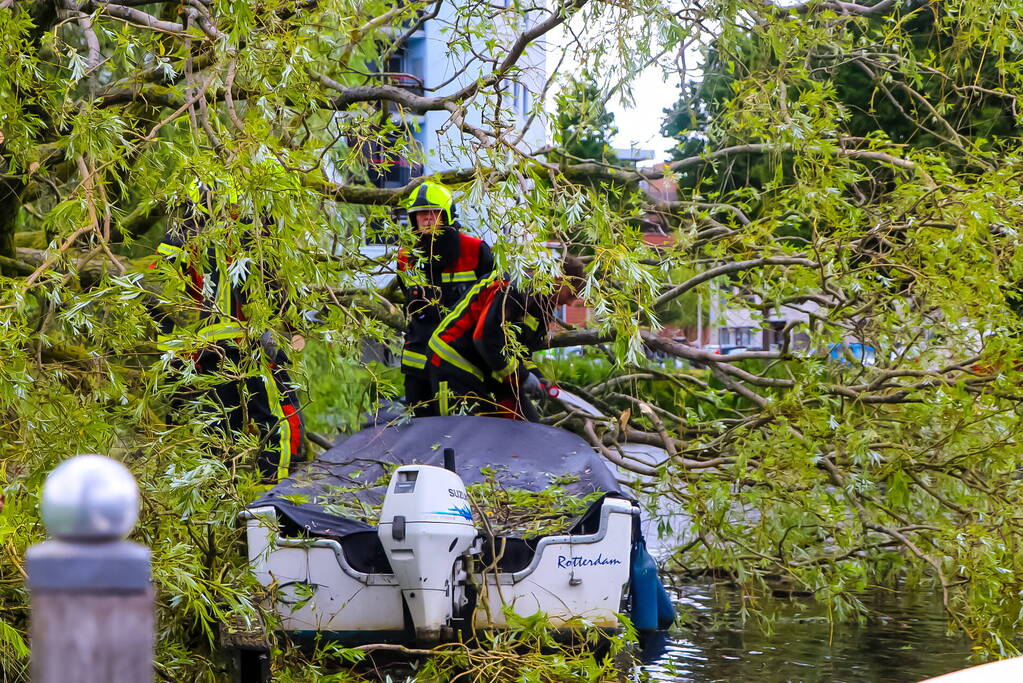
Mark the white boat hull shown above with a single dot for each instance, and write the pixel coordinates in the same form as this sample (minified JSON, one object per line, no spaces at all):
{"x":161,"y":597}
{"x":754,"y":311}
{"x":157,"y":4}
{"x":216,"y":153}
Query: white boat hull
{"x":570,"y":577}
{"x":1004,"y":671}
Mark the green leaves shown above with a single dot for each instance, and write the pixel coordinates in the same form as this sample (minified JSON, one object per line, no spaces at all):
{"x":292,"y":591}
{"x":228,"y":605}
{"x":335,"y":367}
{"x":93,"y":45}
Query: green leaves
{"x":99,"y":134}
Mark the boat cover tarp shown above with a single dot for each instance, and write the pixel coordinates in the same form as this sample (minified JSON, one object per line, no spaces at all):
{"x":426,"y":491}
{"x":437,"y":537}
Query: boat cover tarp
{"x":522,"y":455}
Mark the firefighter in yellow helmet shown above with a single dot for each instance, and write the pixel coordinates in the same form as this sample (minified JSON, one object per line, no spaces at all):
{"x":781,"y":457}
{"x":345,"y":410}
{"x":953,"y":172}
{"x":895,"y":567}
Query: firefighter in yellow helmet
{"x":257,"y":393}
{"x":442,"y":266}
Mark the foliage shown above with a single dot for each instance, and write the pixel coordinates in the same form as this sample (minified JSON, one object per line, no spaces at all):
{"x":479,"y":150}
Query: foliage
{"x":340,"y":394}
{"x":531,"y":650}
{"x":526,"y":513}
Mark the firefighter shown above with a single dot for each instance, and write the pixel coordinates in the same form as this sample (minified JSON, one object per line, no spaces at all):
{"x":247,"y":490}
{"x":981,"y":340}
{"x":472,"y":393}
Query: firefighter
{"x":481,"y":351}
{"x":444,"y":264}
{"x":257,"y":392}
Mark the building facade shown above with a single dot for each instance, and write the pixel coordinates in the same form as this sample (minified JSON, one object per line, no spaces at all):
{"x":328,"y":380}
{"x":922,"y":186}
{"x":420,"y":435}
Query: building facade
{"x":428,"y":64}
{"x":424,"y":145}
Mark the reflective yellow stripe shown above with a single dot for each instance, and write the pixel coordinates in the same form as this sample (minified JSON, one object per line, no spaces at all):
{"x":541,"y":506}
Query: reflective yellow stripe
{"x":463,"y":276}
{"x":223,"y":293}
{"x":507,"y":370}
{"x":168,"y":249}
{"x":218,"y":331}
{"x":283,"y":469}
{"x":283,"y":445}
{"x":457,"y":310}
{"x":413,"y":359}
{"x":187,"y":339}
{"x":166,"y":342}
{"x":442,"y":349}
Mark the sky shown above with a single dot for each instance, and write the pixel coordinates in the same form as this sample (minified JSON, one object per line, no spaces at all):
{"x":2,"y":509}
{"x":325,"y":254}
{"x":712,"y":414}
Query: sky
{"x":640,"y":126}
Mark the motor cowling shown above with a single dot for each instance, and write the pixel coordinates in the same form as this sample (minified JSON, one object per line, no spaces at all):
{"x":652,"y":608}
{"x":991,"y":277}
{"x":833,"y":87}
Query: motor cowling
{"x":425,"y":527}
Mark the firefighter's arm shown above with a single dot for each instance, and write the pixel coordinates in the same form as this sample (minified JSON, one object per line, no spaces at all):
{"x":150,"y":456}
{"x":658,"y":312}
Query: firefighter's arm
{"x":417,"y":296}
{"x":401,"y":265}
{"x":491,"y":336}
{"x":390,"y":291}
{"x":171,"y":247}
{"x":485,"y":262}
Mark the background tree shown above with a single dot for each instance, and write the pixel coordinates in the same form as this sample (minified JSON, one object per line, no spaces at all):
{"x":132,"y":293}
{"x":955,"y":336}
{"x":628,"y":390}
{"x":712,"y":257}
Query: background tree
{"x":583,"y":127}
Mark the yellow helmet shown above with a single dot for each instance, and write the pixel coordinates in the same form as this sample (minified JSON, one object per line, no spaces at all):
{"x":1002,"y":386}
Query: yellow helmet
{"x":431,"y":196}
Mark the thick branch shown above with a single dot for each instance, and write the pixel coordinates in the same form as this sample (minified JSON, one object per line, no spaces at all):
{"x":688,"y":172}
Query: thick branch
{"x":137,"y":16}
{"x":847,"y":8}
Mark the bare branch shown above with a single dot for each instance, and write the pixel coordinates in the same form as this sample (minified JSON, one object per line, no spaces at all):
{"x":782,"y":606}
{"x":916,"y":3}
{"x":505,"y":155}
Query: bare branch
{"x":137,"y":16}
{"x":847,"y":8}
{"x":728,"y":269}
{"x":558,"y":16}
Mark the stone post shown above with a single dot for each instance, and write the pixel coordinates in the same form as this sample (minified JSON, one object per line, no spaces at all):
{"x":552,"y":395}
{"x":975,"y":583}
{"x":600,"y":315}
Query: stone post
{"x":92,"y":600}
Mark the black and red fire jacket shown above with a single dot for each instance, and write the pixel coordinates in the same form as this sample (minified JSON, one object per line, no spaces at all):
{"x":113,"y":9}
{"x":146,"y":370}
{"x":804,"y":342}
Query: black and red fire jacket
{"x":490,"y":335}
{"x":434,"y":277}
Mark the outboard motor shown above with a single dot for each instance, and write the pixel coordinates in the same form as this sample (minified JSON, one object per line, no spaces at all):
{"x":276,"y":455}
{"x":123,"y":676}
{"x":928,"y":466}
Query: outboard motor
{"x":425,"y":526}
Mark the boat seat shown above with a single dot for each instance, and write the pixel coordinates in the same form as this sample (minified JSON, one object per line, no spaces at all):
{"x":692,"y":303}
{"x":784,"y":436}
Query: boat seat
{"x":365,"y":553}
{"x":513,"y":554}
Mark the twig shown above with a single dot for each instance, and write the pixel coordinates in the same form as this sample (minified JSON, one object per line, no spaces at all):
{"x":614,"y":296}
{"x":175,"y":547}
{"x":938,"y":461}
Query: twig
{"x":591,"y":436}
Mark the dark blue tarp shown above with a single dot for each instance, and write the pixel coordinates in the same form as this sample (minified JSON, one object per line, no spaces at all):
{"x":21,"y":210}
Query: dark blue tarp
{"x":523,"y":455}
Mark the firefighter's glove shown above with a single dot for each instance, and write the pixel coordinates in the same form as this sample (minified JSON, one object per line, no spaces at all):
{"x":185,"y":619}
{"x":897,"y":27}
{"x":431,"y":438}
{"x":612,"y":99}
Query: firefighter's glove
{"x":532,"y":386}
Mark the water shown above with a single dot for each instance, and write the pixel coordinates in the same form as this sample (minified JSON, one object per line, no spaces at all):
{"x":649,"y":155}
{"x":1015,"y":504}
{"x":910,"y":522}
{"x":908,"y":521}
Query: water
{"x":904,"y":641}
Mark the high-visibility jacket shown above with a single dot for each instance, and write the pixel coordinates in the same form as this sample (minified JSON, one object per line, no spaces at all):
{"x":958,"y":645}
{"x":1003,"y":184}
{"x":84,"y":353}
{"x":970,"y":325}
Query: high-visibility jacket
{"x":219,"y":303}
{"x":490,"y":334}
{"x":434,"y":277}
{"x":220,"y":320}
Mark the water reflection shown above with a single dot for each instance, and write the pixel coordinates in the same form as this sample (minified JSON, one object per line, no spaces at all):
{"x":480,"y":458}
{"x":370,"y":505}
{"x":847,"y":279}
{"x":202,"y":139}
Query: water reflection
{"x":905,"y":642}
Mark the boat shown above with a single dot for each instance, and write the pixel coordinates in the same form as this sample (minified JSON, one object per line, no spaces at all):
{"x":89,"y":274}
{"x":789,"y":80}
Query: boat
{"x":434,"y":566}
{"x":1002,"y":671}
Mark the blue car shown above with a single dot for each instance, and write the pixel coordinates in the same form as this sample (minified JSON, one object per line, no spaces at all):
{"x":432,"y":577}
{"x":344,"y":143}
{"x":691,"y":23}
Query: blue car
{"x":863,"y":353}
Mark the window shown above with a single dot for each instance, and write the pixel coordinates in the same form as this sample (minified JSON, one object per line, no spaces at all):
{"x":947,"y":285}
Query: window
{"x":735,"y":336}
{"x":775,"y":335}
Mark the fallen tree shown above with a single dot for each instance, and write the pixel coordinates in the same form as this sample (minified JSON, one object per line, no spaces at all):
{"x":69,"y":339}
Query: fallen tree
{"x":801,"y":206}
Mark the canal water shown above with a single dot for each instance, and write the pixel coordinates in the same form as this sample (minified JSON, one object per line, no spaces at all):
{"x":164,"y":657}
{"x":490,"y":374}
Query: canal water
{"x":904,"y":641}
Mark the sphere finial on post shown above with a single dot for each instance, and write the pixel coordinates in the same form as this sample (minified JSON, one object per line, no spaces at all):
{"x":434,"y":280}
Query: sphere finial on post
{"x":90,"y":498}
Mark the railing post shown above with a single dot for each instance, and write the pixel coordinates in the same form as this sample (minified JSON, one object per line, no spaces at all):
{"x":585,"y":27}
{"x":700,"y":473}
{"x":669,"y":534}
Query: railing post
{"x":92,"y":600}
